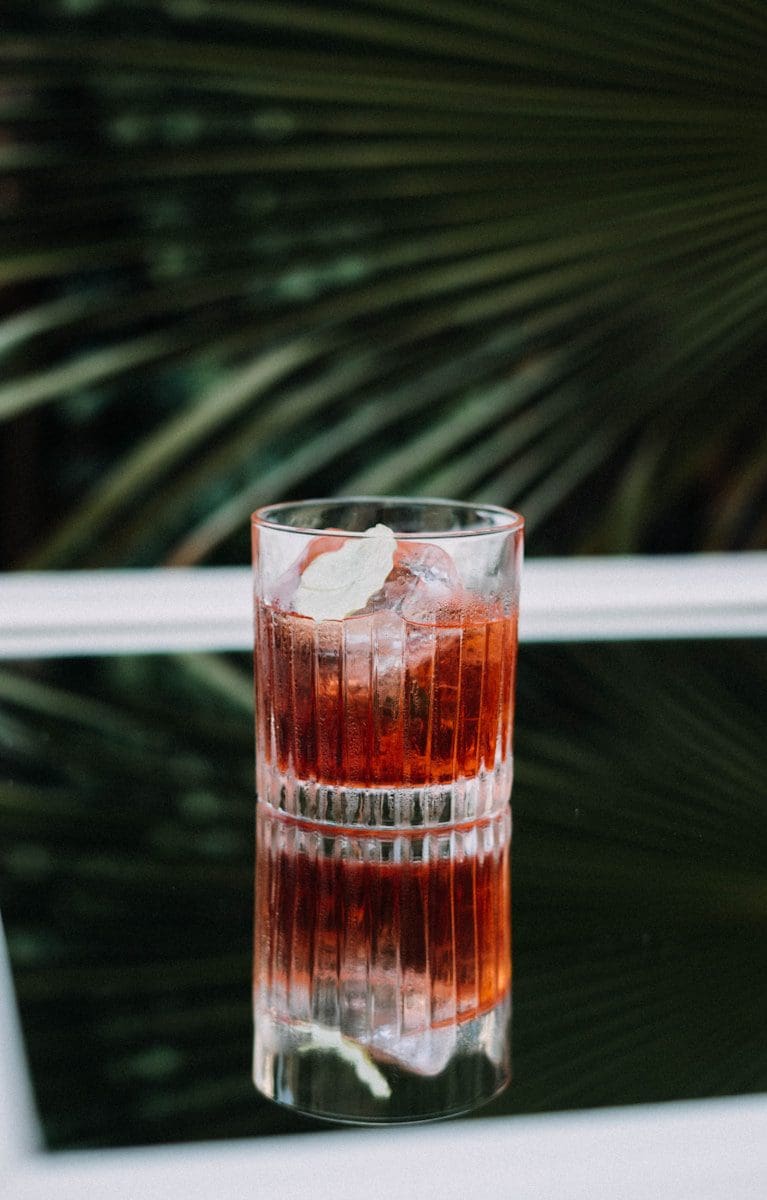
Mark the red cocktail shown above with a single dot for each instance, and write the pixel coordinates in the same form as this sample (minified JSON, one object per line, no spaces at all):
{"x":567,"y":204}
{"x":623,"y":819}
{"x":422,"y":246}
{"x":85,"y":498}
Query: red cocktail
{"x":383,"y":775}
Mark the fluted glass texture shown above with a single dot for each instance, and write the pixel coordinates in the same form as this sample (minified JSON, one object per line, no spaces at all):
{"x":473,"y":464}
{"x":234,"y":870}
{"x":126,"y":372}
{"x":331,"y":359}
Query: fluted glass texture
{"x":384,"y":761}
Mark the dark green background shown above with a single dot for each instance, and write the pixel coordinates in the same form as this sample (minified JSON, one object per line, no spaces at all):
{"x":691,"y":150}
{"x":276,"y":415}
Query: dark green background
{"x":497,"y":250}
{"x":639,"y":897}
{"x":494,"y":249}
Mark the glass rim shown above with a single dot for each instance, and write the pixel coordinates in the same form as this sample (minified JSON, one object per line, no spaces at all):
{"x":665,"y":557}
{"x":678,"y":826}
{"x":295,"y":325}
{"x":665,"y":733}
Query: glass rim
{"x":511,"y":522}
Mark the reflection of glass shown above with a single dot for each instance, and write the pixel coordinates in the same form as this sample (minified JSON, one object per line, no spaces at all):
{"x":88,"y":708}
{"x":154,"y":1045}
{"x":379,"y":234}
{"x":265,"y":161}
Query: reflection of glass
{"x":382,"y":956}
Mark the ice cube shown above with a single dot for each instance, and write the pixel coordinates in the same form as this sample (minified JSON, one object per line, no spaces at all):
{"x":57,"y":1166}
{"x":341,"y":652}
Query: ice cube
{"x":287,"y":583}
{"x":425,"y":1053}
{"x":335,"y":576}
{"x":423,"y":586}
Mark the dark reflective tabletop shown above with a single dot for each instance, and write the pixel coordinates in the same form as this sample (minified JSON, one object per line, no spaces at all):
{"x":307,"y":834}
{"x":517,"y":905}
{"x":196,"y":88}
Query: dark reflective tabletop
{"x":639,"y":884}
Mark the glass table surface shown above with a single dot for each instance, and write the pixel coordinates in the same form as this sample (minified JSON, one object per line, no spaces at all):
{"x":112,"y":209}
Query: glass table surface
{"x":639,"y":890}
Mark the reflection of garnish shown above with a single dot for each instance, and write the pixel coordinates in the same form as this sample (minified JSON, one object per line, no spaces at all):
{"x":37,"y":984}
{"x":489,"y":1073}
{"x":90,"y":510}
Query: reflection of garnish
{"x":340,"y":582}
{"x":353,"y":1054}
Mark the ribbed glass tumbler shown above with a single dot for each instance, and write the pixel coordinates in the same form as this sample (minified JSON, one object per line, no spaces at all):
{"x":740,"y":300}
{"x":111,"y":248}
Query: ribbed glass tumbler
{"x":385,"y":656}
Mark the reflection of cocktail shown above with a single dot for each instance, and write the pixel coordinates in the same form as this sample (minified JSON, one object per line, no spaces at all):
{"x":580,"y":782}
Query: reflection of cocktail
{"x":385,"y":672}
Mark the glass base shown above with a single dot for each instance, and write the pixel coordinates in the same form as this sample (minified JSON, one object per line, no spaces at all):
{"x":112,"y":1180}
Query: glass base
{"x":423,"y":806}
{"x":437,"y":1073}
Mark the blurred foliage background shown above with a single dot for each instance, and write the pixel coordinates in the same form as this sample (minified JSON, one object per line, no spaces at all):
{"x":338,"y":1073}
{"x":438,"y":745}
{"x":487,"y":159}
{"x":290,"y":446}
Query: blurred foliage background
{"x":492,"y":249}
{"x":509,"y":250}
{"x":639,"y":901}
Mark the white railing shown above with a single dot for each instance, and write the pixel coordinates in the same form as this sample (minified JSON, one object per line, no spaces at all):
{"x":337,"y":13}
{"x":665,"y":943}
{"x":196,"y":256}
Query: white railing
{"x":707,"y":1150}
{"x":109,"y":612}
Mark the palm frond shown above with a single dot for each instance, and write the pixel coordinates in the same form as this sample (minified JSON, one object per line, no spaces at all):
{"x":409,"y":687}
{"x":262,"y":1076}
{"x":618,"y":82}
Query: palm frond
{"x":193,"y":188}
{"x":639,"y":904}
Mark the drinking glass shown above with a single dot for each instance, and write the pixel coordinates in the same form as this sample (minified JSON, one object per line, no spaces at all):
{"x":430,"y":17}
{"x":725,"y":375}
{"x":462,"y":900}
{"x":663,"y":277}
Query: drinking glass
{"x":385,"y":657}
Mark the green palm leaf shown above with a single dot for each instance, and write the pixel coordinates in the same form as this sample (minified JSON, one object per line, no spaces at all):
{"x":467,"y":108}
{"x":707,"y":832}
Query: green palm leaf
{"x":639,"y":899}
{"x":212,"y":212}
